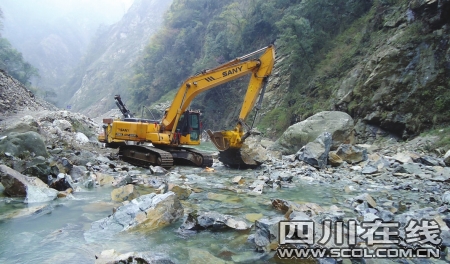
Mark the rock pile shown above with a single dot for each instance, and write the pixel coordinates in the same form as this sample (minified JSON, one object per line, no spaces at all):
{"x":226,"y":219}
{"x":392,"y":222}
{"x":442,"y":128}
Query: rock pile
{"x":15,"y":97}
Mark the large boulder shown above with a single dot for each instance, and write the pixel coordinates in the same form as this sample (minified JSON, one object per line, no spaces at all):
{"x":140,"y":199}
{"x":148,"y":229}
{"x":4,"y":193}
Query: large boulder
{"x":19,"y":144}
{"x":147,"y":212}
{"x":338,"y":124}
{"x":316,"y":153}
{"x":18,"y":185}
{"x":253,"y":152}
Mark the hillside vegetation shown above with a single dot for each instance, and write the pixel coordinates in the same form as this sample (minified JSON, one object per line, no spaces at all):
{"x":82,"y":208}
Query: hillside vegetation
{"x":108,"y":63}
{"x":12,"y":61}
{"x":200,"y":34}
{"x":385,"y":62}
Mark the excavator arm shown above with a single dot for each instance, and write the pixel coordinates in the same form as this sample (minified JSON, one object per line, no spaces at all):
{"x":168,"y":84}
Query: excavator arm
{"x":126,"y":113}
{"x":260,"y":69}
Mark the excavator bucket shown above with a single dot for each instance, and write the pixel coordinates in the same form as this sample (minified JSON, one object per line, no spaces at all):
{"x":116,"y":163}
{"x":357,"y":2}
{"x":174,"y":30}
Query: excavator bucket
{"x":231,"y":154}
{"x":238,"y":159}
{"x":218,"y":139}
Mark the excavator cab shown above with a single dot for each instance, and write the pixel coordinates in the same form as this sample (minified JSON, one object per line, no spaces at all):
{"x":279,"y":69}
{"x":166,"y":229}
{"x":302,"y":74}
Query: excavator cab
{"x":188,"y":128}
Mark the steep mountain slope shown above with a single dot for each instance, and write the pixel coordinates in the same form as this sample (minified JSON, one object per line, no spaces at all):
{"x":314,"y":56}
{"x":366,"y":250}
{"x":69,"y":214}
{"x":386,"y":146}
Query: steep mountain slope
{"x":15,"y":97}
{"x":200,"y":34}
{"x":390,"y":70}
{"x":401,"y":82}
{"x":111,"y":56}
{"x":386,"y":63}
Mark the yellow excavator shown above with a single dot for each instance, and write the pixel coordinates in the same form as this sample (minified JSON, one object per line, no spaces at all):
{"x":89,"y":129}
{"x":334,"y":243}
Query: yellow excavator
{"x":180,"y":126}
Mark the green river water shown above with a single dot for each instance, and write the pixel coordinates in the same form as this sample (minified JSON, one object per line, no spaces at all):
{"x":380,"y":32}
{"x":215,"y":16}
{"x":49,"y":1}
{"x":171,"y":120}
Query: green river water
{"x":55,"y":233}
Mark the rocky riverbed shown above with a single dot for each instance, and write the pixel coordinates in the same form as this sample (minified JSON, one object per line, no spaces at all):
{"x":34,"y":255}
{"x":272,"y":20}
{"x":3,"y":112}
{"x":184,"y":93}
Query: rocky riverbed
{"x":67,"y":199}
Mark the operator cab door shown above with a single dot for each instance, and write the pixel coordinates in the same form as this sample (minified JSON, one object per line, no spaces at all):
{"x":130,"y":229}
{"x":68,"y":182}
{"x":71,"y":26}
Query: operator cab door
{"x":188,"y":128}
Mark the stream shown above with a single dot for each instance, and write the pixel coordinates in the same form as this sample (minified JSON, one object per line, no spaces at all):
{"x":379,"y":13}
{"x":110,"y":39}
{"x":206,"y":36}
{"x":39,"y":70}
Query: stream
{"x":55,"y":232}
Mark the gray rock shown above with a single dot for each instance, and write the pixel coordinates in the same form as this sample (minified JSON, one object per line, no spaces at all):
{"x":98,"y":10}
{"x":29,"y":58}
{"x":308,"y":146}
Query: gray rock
{"x":18,"y":185}
{"x":411,"y":168}
{"x":62,"y":124}
{"x":364,"y":199}
{"x":147,"y":212}
{"x":78,"y":172}
{"x":101,"y":159}
{"x":122,"y":180}
{"x":89,"y":183}
{"x":81,"y":138}
{"x":441,"y":174}
{"x":25,"y":124}
{"x":316,"y":153}
{"x":213,"y":221}
{"x":446,"y":197}
{"x":254,"y":154}
{"x":368,"y":169}
{"x":429,"y":161}
{"x":447,"y":158}
{"x":124,"y":193}
{"x":266,"y":233}
{"x":403,"y":157}
{"x":338,"y":124}
{"x":158,"y":170}
{"x":41,"y":170}
{"x":64,"y":165}
{"x":82,"y":159}
{"x":352,"y":154}
{"x":19,"y":144}
{"x":111,"y":256}
{"x":62,"y":182}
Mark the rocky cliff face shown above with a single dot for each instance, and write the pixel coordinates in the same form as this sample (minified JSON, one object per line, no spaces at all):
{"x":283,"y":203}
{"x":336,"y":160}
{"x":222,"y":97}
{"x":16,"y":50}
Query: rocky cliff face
{"x":111,"y":57}
{"x":403,"y":85}
{"x":390,"y":71}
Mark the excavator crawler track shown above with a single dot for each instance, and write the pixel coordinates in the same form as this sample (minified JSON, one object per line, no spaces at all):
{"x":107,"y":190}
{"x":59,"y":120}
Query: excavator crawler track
{"x":189,"y":156}
{"x":145,"y":156}
{"x":165,"y":157}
